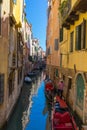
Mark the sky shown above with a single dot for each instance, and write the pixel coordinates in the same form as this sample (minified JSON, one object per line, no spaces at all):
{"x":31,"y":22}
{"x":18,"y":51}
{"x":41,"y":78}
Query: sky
{"x":36,"y":13}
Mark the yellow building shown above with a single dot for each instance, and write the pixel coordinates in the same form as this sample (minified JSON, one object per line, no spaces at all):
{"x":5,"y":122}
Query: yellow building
{"x":52,"y":39}
{"x":11,"y":56}
{"x":73,"y":52}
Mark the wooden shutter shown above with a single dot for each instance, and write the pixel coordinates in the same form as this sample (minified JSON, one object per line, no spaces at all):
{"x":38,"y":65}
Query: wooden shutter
{"x":61,"y":34}
{"x":78,"y":37}
{"x":71,"y":41}
{"x":84,"y":35}
{"x":1,"y":88}
{"x":56,"y":44}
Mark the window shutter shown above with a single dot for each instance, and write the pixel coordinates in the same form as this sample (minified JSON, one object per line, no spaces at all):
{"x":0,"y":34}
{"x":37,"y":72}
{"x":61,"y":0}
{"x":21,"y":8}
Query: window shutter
{"x":56,"y":44}
{"x":50,"y":50}
{"x":71,"y":41}
{"x":61,"y":34}
{"x":78,"y":37}
{"x":84,"y":34}
{"x":76,"y":45}
{"x":1,"y":88}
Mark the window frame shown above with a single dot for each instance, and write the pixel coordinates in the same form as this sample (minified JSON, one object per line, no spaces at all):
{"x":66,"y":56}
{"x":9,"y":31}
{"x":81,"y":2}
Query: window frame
{"x":56,"y":47}
{"x":71,"y":41}
{"x":80,"y":40}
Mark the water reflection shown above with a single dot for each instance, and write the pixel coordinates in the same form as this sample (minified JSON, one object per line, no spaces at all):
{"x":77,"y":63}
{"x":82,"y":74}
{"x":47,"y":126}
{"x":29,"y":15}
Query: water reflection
{"x":31,"y":112}
{"x":37,"y":117}
{"x":26,"y":113}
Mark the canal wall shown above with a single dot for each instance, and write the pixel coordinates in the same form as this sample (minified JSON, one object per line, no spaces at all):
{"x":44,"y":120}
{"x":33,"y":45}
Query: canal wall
{"x":3,"y":125}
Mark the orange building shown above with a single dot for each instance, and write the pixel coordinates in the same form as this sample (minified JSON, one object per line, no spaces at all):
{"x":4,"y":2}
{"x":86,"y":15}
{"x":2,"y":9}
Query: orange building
{"x":52,"y":39}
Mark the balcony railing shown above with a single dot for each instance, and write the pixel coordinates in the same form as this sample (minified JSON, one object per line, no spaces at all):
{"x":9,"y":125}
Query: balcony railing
{"x":69,"y":11}
{"x":65,"y":8}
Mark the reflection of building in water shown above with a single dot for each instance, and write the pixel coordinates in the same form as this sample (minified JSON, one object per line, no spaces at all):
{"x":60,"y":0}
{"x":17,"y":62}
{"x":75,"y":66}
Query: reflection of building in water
{"x":34,"y":90}
{"x":25,"y":117}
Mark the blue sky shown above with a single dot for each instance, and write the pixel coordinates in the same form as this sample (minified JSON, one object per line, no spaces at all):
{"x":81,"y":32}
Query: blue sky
{"x":36,"y":13}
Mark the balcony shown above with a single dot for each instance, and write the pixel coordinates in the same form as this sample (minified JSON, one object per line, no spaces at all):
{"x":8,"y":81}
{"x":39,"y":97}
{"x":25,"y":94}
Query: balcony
{"x":70,"y":12}
{"x":81,"y":6}
{"x":65,"y":8}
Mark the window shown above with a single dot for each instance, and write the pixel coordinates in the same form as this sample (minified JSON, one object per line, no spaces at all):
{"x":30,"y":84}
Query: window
{"x":71,"y":41}
{"x":49,"y":50}
{"x":61,"y":34}
{"x":78,"y":37}
{"x":81,"y":36}
{"x":19,"y":75}
{"x":1,"y":88}
{"x":11,"y":82}
{"x":56,"y":44}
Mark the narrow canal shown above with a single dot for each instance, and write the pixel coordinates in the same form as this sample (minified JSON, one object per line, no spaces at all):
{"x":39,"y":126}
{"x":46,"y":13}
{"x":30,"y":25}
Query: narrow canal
{"x":31,"y":111}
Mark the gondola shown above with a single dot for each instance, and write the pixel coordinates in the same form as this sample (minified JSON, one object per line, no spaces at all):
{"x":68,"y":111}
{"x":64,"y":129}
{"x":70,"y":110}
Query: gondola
{"x":49,"y":88}
{"x":61,"y":117}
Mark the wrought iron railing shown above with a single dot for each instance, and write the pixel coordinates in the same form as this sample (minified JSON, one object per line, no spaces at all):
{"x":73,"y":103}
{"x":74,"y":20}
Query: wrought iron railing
{"x":65,"y":8}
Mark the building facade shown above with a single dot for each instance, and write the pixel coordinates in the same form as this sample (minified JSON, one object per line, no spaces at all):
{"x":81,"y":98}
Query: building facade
{"x":11,"y":56}
{"x":27,"y":46}
{"x":67,"y":26}
{"x":52,"y":40}
{"x":73,"y":44}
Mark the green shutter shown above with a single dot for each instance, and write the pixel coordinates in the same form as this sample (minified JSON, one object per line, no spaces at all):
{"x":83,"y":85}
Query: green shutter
{"x":84,"y":34}
{"x":78,"y":37}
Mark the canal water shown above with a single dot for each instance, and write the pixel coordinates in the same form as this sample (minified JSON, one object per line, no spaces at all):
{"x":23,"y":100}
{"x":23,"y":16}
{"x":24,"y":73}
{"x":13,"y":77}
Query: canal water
{"x":31,"y":111}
